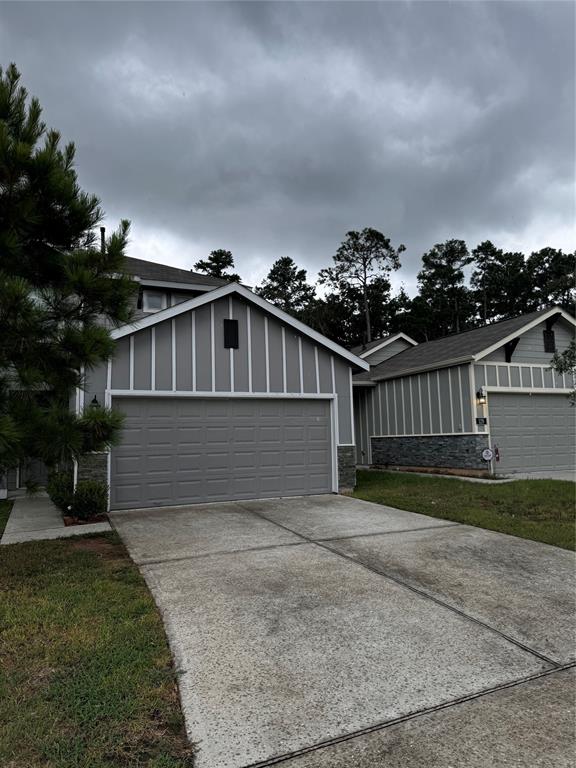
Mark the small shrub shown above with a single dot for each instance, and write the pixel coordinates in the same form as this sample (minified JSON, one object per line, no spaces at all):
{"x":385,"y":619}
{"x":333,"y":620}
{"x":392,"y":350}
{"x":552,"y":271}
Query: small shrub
{"x":60,"y":488}
{"x":90,"y":499}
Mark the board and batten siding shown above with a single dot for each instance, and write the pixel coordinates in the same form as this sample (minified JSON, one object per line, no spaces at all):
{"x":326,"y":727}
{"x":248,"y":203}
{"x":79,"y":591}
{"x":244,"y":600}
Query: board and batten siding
{"x":530,"y":347}
{"x":431,"y":403}
{"x":187,"y":354}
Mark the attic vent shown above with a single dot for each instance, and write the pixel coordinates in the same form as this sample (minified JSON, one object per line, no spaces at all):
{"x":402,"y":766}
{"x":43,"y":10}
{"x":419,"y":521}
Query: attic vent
{"x":231,"y":334}
{"x":549,"y":341}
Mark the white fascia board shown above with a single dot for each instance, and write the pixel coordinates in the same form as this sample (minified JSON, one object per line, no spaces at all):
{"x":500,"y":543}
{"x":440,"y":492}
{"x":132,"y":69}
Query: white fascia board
{"x":226,"y":290}
{"x":527,"y":327}
{"x":175,"y":286}
{"x":389,"y":341}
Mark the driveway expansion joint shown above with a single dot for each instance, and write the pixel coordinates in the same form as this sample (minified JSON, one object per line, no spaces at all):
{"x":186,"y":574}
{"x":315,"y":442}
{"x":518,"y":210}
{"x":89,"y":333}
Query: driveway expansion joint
{"x":322,"y":543}
{"x":277,"y":759}
{"x":220,"y":552}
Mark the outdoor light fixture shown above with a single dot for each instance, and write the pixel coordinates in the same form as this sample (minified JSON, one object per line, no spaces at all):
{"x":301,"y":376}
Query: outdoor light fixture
{"x":94,"y":401}
{"x":481,"y":396}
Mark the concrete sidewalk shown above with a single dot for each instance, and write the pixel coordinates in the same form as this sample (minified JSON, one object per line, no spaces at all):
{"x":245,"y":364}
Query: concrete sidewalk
{"x":35,"y":518}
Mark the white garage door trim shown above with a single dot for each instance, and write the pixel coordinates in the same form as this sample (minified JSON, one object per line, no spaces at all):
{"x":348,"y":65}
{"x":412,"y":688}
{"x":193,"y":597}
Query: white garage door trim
{"x":332,"y":398}
{"x":511,"y":391}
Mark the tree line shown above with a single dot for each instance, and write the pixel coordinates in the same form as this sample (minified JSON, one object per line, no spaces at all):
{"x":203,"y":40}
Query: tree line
{"x":458,"y":288}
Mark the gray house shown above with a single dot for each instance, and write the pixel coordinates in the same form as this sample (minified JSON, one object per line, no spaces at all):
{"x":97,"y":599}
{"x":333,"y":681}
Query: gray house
{"x":443,"y":403}
{"x":225,"y":397}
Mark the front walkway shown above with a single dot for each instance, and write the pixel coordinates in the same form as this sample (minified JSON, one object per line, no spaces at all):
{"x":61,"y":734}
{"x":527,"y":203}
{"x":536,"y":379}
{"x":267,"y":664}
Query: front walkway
{"x":35,"y":518}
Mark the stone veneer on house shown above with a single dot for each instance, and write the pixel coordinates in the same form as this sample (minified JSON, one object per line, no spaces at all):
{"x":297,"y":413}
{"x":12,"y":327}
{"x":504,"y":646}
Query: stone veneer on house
{"x":446,"y":451}
{"x":346,"y":467}
{"x":93,"y":466}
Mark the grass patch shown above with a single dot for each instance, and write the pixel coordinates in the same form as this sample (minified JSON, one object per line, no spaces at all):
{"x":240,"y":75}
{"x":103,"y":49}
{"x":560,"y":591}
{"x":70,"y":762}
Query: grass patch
{"x":541,"y":510}
{"x":87,"y":680}
{"x":5,"y":507}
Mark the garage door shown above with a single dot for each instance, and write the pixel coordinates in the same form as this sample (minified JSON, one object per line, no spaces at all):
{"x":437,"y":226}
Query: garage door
{"x":534,"y":433}
{"x":188,"y":450}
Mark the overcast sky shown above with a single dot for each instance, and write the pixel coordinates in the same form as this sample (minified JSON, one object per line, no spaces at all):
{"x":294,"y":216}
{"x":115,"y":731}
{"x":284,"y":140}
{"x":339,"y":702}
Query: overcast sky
{"x":271,"y":129}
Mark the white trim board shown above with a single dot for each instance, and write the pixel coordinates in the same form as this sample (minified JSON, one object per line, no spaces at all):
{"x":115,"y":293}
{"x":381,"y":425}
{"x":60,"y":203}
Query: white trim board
{"x":240,"y":290}
{"x":386,"y":342}
{"x":228,"y":395}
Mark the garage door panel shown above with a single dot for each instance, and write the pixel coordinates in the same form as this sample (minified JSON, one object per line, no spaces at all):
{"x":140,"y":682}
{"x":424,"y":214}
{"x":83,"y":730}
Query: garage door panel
{"x":533,"y":432}
{"x":179,"y":451}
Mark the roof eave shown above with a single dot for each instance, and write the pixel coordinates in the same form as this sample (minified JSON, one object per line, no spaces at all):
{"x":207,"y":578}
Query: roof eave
{"x":226,"y":290}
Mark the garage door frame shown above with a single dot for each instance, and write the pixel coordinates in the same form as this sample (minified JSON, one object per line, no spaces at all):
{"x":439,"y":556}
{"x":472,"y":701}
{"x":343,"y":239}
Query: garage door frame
{"x":529,"y":391}
{"x":332,"y":397}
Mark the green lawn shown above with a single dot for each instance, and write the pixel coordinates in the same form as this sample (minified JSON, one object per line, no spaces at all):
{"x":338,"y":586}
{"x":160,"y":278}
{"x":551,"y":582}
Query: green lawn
{"x":5,"y":507}
{"x":542,"y":510}
{"x":87,"y":680}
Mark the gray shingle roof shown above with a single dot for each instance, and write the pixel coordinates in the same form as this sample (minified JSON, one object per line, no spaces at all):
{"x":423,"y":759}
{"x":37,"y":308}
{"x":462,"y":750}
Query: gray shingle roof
{"x":358,"y":350}
{"x":440,"y":352}
{"x":151,"y":270}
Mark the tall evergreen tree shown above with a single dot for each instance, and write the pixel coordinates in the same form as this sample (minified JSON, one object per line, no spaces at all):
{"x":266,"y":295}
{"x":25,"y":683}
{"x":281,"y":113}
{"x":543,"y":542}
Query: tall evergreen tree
{"x":552,"y":277}
{"x":286,"y":287}
{"x":59,"y":293}
{"x":442,"y":287}
{"x":218,"y":264}
{"x":361,"y":258}
{"x":500,"y":283}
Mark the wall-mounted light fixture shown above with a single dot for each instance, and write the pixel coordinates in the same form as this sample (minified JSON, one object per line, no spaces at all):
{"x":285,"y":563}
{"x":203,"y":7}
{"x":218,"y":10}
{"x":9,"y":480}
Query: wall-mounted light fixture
{"x":481,"y":396}
{"x":94,"y":401}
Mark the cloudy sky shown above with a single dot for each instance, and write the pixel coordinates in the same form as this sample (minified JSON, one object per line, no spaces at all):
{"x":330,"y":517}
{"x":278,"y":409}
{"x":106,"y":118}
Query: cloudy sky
{"x":272,"y":128}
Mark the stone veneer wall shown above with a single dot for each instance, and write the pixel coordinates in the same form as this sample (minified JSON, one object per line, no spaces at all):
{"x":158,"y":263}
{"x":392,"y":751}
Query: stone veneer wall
{"x":446,"y":451}
{"x":93,"y":466}
{"x":346,"y":467}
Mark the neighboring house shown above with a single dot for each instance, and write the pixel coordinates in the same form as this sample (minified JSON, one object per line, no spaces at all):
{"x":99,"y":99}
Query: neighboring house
{"x":377,"y":351}
{"x":440,"y":404}
{"x":225,"y":397}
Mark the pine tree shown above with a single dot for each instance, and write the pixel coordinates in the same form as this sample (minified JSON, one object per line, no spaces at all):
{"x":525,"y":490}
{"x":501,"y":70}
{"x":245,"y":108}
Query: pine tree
{"x":553,"y":279}
{"x":59,"y":293}
{"x":217,"y":264}
{"x":441,"y":287}
{"x":286,"y":287}
{"x":361,"y":258}
{"x":500,"y":283}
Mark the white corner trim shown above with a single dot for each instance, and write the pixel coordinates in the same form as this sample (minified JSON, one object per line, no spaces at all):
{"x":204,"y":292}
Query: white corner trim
{"x":153,"y":358}
{"x":527,"y":327}
{"x":388,"y":341}
{"x":249,"y":345}
{"x":226,"y":290}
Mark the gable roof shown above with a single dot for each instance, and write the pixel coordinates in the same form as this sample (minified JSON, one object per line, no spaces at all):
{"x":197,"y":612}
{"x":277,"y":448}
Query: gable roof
{"x":245,"y":293}
{"x":365,"y":350}
{"x":152,"y":271}
{"x":458,"y":348}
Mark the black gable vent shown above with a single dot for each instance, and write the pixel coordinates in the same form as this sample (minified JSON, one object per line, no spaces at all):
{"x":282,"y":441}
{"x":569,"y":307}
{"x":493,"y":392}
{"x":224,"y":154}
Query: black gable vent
{"x":231,"y":334}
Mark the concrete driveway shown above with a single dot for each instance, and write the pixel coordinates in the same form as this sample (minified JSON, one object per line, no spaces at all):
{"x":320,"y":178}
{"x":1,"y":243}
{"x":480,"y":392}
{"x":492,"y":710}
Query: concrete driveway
{"x":328,"y":632}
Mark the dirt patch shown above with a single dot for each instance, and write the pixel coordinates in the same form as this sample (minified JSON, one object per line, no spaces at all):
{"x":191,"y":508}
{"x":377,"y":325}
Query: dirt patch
{"x":100,"y":546}
{"x":68,"y":520}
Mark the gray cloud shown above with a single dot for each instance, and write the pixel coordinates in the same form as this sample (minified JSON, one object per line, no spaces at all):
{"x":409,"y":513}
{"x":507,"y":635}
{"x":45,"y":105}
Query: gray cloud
{"x":273,"y":128}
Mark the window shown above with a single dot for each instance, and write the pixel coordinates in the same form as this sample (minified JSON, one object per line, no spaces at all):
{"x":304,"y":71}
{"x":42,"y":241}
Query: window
{"x":231,"y":334}
{"x":153,"y":301}
{"x":549,"y":342}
